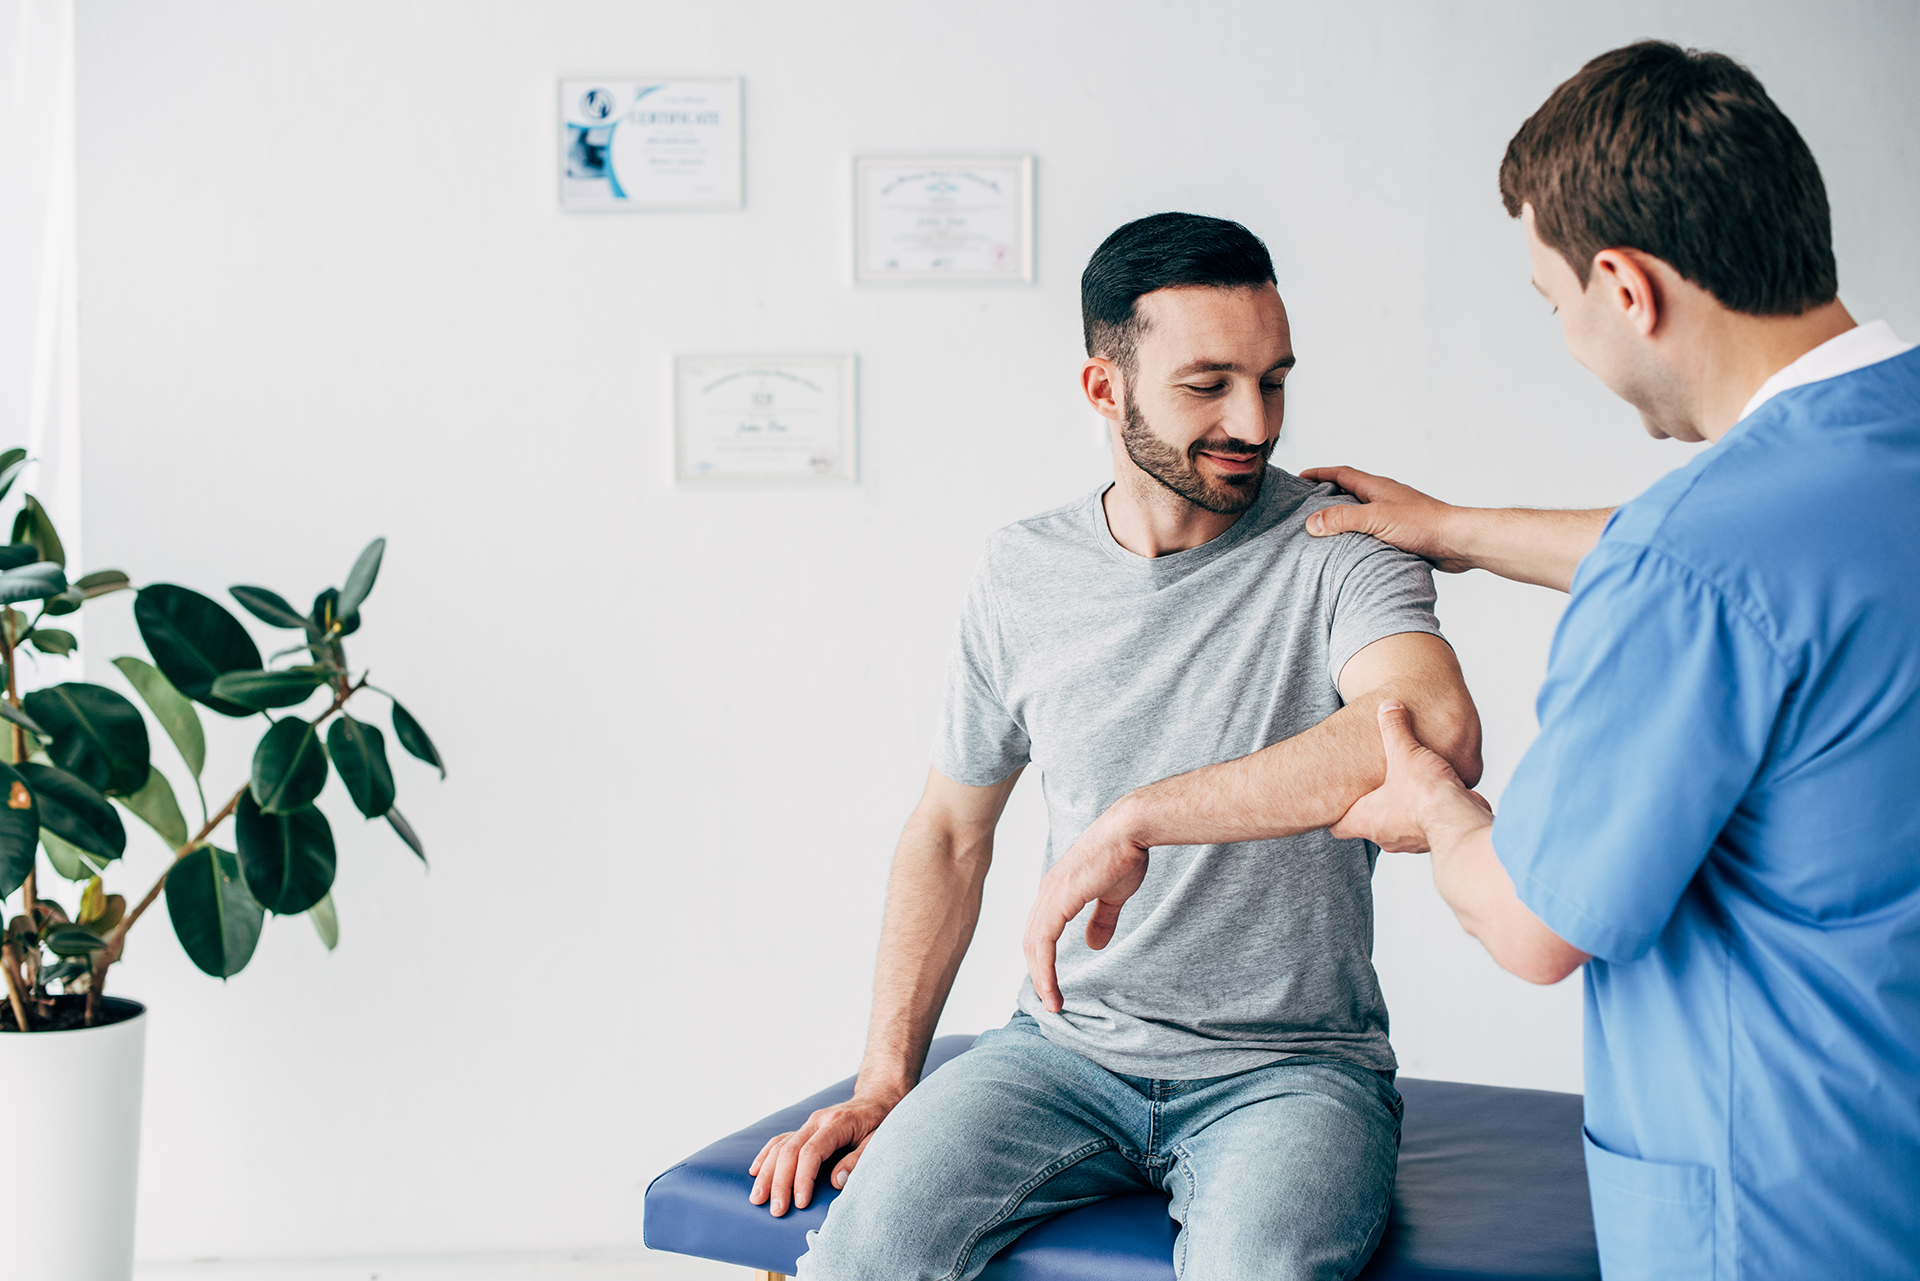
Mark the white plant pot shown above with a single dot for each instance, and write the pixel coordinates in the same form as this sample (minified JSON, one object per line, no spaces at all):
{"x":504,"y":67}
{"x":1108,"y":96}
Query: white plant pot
{"x":73,"y":1132}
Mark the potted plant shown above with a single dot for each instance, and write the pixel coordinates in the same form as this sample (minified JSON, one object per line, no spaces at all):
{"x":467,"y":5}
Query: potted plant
{"x":72,"y":757}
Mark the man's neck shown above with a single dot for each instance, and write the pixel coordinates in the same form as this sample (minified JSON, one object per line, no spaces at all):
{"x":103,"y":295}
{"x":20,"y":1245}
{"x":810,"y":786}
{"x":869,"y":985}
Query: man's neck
{"x":1148,"y":519}
{"x":1739,"y":353}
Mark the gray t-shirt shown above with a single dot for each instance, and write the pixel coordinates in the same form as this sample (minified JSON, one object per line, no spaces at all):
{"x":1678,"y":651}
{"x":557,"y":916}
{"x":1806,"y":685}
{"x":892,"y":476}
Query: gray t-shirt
{"x":1110,"y":670}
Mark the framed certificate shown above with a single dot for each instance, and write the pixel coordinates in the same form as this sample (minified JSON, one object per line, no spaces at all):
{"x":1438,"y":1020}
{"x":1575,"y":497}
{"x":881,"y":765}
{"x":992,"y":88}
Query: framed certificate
{"x":949,"y":219}
{"x":628,"y":143}
{"x":780,"y":419}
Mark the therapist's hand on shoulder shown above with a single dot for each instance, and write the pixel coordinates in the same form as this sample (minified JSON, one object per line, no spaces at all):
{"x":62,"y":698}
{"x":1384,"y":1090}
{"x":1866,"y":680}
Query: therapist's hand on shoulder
{"x":788,"y":1167}
{"x":1390,"y":511}
{"x":1104,"y":867}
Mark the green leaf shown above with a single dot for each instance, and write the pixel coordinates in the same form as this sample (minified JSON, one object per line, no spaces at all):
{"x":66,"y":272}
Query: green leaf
{"x":360,"y":578}
{"x":14,"y":555}
{"x":12,"y":463}
{"x":359,"y":753}
{"x":289,"y":768}
{"x":75,"y":812}
{"x":214,"y":916}
{"x":170,"y":707}
{"x":51,"y":640}
{"x":326,"y":921}
{"x":66,"y":602}
{"x":269,"y":607}
{"x":19,"y":830}
{"x":102,"y":581}
{"x":98,"y":736}
{"x":155,"y":806}
{"x":19,"y":717}
{"x":266,"y":689}
{"x":404,"y":830}
{"x":70,"y":861}
{"x":287,"y":858}
{"x":193,"y":640}
{"x":32,"y":582}
{"x":33,"y":525}
{"x":68,"y":939}
{"x":326,"y":611}
{"x":415,"y":739}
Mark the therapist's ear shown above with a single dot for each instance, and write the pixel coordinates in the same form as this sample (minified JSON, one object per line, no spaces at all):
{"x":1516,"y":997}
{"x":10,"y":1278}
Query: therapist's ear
{"x":1629,"y":286}
{"x":1104,"y":385}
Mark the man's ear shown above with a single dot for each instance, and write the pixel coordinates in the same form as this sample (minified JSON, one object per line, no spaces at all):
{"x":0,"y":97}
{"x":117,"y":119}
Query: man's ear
{"x":1627,"y":286}
{"x":1105,"y":387}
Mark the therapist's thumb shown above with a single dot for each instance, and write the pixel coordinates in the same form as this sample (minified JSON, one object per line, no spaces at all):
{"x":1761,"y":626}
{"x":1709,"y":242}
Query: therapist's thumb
{"x":1396,"y":728}
{"x":1343,"y":518}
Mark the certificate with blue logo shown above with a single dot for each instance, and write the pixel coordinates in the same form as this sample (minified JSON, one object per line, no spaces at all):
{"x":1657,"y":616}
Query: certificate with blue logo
{"x":763,"y":418}
{"x":922,"y":219}
{"x":630,"y":143}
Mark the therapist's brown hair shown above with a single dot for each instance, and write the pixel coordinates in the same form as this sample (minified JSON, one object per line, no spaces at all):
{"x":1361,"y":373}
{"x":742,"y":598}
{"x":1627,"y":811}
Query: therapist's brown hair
{"x":1681,"y":154}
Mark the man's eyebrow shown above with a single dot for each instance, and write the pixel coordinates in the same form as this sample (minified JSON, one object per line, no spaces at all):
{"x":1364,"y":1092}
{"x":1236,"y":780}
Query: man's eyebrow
{"x":1223,"y":367}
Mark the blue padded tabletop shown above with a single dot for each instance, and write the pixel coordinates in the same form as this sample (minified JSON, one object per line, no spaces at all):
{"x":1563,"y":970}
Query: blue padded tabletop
{"x":1492,"y":1187}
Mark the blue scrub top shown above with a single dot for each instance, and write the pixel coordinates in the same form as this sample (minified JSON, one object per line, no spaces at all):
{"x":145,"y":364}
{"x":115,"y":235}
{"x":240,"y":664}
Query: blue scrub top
{"x":1723,"y":807}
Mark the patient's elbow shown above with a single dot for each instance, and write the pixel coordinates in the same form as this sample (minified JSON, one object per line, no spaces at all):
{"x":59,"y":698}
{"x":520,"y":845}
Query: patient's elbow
{"x":1456,"y":736}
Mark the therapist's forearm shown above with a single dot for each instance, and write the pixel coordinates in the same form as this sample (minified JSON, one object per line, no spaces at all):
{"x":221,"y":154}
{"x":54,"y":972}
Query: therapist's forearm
{"x":1528,"y":545}
{"x":1471,"y":879}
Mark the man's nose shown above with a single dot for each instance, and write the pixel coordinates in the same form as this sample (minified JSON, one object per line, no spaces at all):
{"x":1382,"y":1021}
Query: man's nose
{"x":1246,"y":419}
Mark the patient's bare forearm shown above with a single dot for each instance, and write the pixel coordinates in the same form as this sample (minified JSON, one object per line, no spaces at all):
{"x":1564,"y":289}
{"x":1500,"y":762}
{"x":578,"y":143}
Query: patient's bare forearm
{"x":1528,"y":545}
{"x":1297,"y":785}
{"x":933,"y":904}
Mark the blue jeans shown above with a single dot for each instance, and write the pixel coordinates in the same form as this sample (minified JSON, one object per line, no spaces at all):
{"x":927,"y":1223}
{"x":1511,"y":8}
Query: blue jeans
{"x":1285,"y":1171}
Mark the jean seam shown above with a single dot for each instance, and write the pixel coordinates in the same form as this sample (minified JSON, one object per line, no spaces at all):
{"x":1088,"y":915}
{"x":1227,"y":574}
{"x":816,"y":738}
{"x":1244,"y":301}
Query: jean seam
{"x":1377,"y":1233}
{"x":1185,"y":1165}
{"x":1019,"y":1195}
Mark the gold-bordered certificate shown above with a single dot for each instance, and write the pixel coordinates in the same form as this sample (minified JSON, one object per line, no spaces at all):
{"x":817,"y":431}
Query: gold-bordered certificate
{"x":782,"y":419}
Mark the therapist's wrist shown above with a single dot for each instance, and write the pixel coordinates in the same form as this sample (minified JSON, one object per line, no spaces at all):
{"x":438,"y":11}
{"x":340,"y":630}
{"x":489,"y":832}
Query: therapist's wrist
{"x":1451,"y":817}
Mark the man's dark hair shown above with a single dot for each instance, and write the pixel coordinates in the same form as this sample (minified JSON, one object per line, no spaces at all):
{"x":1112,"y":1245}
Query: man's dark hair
{"x":1681,"y":154}
{"x":1161,"y":252}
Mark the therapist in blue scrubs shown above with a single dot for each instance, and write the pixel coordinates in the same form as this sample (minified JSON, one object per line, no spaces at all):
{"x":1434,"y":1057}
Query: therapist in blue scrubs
{"x":1721,"y":816}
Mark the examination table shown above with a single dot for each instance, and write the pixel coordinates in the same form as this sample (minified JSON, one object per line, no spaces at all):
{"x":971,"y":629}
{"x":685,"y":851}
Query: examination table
{"x":1492,"y":1187}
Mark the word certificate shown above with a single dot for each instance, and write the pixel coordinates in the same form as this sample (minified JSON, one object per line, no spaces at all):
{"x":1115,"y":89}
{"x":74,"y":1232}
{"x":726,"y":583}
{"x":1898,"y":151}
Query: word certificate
{"x":953,"y":219}
{"x":649,"y":144}
{"x":764,"y":418}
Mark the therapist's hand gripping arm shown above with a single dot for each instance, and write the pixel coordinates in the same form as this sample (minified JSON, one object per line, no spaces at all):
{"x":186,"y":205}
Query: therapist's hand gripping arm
{"x":1423,"y":805}
{"x":1296,"y":785}
{"x":1524,"y":544}
{"x":933,"y":904}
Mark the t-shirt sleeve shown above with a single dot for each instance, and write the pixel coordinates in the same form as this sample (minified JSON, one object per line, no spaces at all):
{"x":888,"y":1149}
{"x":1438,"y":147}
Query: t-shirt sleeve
{"x":1381,"y":592}
{"x":1660,"y":700}
{"x":979,"y":741}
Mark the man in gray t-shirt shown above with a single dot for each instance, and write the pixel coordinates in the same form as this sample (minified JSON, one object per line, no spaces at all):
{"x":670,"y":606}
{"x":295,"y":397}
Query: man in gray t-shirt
{"x":1215,"y":1029}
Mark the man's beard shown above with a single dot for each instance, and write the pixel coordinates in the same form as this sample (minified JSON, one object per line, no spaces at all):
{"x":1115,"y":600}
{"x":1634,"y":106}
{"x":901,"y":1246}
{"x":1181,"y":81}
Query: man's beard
{"x":1227,"y":496}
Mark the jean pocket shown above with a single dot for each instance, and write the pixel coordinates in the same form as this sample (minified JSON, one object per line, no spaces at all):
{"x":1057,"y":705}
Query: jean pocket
{"x":1653,"y":1220}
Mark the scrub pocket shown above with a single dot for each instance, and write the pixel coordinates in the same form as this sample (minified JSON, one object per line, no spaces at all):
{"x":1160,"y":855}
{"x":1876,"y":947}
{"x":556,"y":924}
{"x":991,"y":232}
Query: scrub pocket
{"x":1654,"y":1221}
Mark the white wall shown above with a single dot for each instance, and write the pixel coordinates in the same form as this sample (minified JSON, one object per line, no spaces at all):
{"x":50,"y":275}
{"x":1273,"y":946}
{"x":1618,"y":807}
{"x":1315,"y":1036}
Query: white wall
{"x":325,"y":294}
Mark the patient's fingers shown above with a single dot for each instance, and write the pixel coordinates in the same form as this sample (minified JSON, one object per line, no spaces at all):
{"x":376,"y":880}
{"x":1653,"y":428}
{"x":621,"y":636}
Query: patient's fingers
{"x":847,"y":1162}
{"x":1101,"y":925}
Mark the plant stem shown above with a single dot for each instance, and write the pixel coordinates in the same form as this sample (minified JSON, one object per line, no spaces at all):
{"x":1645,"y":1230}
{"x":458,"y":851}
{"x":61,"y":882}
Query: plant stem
{"x":28,"y":903}
{"x":13,"y":989}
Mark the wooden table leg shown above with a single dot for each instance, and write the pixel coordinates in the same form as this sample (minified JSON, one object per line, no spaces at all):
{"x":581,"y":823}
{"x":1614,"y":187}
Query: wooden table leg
{"x":758,"y":1275}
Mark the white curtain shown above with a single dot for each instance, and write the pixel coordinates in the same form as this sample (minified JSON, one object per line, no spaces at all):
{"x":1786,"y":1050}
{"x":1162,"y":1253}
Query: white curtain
{"x":38,"y":363}
{"x":38,"y":366}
